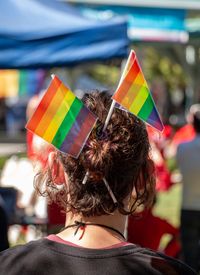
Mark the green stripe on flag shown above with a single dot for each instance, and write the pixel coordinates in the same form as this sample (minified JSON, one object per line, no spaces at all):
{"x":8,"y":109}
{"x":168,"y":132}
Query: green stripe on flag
{"x":146,"y":109}
{"x":23,"y":78}
{"x":67,"y":123}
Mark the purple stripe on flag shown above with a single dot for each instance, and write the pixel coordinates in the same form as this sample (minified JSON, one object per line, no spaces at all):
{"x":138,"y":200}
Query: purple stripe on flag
{"x":154,"y":120}
{"x":83,"y":135}
{"x":74,"y":131}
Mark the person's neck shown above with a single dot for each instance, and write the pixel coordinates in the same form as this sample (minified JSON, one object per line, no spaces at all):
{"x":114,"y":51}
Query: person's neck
{"x":94,"y":236}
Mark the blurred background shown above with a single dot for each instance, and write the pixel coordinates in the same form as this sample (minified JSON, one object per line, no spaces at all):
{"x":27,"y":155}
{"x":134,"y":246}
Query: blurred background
{"x":86,"y":43}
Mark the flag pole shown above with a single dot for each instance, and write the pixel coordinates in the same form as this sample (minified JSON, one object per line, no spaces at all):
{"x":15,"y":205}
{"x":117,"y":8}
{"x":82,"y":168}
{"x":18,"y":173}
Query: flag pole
{"x":124,"y":70}
{"x":107,"y":119}
{"x":104,"y":128}
{"x":109,"y":115}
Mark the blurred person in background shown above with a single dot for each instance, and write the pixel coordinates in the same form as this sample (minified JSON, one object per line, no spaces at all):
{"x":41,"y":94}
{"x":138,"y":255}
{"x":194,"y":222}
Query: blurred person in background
{"x":158,"y":145}
{"x":163,"y":175}
{"x":188,"y":160}
{"x":147,"y":230}
{"x":36,"y":145}
{"x":4,"y":244}
{"x":183,"y":134}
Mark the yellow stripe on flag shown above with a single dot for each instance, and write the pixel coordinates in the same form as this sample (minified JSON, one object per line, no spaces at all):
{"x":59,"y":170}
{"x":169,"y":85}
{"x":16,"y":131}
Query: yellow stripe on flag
{"x":50,"y":112}
{"x":132,"y":93}
{"x":139,"y":100}
{"x":62,"y":111}
{"x":138,"y":83}
{"x":140,"y":80}
{"x":9,"y":83}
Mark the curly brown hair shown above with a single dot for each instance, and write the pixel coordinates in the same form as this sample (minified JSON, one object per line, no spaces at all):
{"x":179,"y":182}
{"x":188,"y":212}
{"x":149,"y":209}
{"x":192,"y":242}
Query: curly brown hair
{"x":120,"y":154}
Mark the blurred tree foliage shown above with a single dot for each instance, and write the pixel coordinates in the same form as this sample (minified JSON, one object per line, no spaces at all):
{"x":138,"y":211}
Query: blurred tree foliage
{"x":164,"y":65}
{"x":156,"y":63}
{"x":107,"y":74}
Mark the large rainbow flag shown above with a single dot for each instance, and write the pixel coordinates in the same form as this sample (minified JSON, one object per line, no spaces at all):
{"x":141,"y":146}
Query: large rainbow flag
{"x":62,"y":119}
{"x":21,"y":83}
{"x":134,"y":95}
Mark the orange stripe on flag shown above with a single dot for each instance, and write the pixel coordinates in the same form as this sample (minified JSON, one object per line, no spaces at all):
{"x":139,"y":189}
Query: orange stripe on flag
{"x":132,"y":93}
{"x":43,"y":105}
{"x":129,"y":63}
{"x":126,"y":83}
{"x":53,"y":108}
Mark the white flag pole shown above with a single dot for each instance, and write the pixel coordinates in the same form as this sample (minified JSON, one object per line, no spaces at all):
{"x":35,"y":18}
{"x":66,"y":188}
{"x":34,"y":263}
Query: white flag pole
{"x":109,"y":115}
{"x":112,"y":106}
{"x":85,"y":178}
{"x":104,"y":128}
{"x":124,"y":69}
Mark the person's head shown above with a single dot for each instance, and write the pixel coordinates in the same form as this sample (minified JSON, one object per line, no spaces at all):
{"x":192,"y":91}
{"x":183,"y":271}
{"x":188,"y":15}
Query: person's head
{"x":120,"y":155}
{"x":195,"y":117}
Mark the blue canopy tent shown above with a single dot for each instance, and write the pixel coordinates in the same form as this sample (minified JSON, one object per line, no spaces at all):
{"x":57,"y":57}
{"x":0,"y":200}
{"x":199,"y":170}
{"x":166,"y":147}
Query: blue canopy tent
{"x":46,"y":33}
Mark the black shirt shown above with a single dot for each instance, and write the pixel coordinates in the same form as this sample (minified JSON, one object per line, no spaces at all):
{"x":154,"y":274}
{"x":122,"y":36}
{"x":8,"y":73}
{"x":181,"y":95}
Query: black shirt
{"x":46,"y":257}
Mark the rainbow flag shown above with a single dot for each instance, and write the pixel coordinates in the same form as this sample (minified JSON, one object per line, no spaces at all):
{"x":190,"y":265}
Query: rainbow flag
{"x":134,"y":95}
{"x":9,"y":83}
{"x":62,"y":119}
{"x":20,"y":83}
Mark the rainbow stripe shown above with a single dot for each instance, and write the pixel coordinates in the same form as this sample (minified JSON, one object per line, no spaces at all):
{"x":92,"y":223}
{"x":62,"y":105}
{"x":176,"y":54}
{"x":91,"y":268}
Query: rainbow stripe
{"x":20,"y":83}
{"x":62,"y":119}
{"x":134,"y":95}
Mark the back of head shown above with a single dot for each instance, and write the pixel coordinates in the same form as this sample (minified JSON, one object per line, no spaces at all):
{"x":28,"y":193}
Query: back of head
{"x":120,"y":155}
{"x":195,"y":117}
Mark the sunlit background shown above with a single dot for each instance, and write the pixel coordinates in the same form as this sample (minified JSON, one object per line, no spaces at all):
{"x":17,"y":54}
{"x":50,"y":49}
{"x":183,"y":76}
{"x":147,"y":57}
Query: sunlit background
{"x":86,"y":43}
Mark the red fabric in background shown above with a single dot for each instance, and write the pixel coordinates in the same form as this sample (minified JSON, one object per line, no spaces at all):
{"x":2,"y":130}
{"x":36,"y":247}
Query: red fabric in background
{"x":185,"y":133}
{"x":29,"y":141}
{"x":148,"y":230}
{"x":32,"y":154}
{"x":163,"y":178}
{"x":55,"y":215}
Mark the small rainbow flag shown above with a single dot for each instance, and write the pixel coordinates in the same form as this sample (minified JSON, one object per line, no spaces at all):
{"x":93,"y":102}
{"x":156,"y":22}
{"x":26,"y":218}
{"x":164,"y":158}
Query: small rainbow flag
{"x":62,"y":119}
{"x":134,"y":95}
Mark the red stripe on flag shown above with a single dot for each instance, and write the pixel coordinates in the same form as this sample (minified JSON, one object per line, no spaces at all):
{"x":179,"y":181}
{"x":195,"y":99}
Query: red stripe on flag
{"x":43,"y":105}
{"x":126,"y":83}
